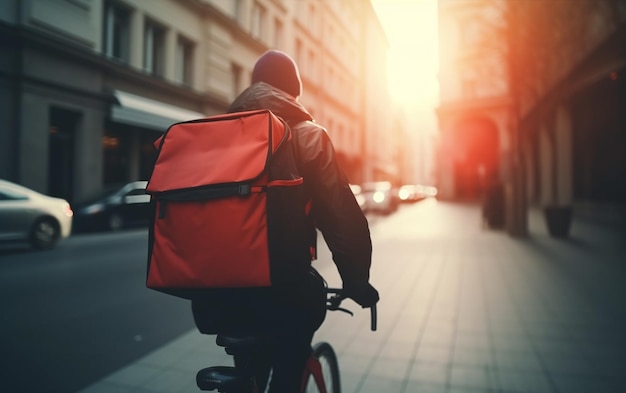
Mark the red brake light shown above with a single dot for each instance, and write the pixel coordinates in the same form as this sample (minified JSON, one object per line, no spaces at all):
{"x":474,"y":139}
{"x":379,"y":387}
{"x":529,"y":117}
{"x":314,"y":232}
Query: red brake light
{"x":68,"y":210}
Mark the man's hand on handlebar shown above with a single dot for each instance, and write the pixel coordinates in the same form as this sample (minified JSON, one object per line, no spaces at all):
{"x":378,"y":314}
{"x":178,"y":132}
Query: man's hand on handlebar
{"x":365,"y":295}
{"x":335,"y":296}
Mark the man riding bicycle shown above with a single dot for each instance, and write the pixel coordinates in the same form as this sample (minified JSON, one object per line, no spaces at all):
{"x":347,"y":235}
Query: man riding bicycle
{"x":289,"y":315}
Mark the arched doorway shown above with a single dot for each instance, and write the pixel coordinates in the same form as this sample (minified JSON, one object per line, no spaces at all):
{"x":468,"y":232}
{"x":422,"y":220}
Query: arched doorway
{"x":475,"y":155}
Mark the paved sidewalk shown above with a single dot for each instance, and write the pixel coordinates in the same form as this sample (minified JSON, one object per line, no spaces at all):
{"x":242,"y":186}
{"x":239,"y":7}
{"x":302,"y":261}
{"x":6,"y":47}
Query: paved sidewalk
{"x":462,"y":309}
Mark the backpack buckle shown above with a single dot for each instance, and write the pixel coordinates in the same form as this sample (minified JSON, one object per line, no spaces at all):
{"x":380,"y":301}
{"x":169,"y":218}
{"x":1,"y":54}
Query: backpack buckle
{"x":243,"y":190}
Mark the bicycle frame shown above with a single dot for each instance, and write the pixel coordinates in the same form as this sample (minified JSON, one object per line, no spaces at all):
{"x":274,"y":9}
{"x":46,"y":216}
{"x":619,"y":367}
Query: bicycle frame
{"x":314,"y":368}
{"x":231,"y":379}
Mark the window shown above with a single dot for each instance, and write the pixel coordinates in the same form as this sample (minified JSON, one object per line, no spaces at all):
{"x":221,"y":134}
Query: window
{"x":258,"y":18}
{"x":341,"y":137}
{"x":299,"y":51}
{"x":278,"y":33}
{"x":236,"y":75}
{"x":312,"y":19}
{"x":116,"y":150}
{"x":154,"y":49}
{"x":184,"y":61}
{"x":117,"y":22}
{"x":10,"y":195}
{"x":469,"y":87}
{"x":470,"y":32}
{"x":238,"y":10}
{"x":330,"y":78}
{"x":310,"y":64}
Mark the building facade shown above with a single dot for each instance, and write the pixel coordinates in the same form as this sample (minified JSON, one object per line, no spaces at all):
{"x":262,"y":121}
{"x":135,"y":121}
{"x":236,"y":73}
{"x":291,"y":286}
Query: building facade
{"x":87,"y":86}
{"x":474,"y":109}
{"x":545,"y":123}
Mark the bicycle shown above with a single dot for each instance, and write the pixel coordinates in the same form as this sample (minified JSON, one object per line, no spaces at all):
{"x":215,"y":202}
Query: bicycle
{"x":321,"y":373}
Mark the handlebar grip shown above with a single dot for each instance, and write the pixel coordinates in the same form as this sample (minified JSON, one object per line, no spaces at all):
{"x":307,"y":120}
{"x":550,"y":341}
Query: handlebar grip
{"x":374,"y":318}
{"x":334,"y":302}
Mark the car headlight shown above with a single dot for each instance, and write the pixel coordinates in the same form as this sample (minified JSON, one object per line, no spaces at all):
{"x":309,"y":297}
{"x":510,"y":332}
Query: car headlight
{"x":94,"y":209}
{"x":378,"y":196}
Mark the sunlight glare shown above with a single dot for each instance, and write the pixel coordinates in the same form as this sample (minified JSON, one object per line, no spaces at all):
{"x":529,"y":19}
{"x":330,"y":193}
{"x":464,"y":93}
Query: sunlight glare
{"x":411,"y":27}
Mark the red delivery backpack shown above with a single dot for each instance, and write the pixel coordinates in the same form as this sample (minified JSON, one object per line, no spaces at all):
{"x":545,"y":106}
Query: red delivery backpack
{"x":229,"y":206}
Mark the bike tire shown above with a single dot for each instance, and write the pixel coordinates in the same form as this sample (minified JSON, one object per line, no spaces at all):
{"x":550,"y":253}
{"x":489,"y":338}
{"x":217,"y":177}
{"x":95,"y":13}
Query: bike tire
{"x":325,"y":355}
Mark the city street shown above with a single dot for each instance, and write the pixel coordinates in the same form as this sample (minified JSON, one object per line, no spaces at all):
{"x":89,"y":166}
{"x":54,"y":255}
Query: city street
{"x":488,"y":136}
{"x":74,"y":314}
{"x":463,"y":309}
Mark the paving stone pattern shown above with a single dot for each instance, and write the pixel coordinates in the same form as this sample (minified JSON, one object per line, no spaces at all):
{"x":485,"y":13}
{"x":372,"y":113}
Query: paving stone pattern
{"x":463,"y":309}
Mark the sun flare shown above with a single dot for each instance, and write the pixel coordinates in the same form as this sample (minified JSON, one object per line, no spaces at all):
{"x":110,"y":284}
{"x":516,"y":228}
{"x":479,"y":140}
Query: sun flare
{"x":411,"y":27}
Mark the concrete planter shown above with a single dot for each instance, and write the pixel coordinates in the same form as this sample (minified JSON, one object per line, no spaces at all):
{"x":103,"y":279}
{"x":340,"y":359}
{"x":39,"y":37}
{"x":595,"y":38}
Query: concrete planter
{"x":493,"y":207}
{"x":558,"y":220}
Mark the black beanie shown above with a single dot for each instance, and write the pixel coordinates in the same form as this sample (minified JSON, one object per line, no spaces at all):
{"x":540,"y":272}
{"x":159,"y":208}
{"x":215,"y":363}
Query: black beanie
{"x":276,"y":68}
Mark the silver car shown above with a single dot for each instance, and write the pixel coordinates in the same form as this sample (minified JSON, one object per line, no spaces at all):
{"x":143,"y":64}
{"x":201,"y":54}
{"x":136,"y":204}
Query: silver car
{"x":26,"y":215}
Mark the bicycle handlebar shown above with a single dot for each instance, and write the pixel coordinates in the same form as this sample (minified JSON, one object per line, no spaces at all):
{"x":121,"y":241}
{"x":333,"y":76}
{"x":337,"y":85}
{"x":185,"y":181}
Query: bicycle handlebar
{"x":334,"y":297}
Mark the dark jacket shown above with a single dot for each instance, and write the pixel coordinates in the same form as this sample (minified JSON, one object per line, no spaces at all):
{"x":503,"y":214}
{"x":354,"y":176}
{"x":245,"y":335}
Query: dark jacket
{"x":335,"y":210}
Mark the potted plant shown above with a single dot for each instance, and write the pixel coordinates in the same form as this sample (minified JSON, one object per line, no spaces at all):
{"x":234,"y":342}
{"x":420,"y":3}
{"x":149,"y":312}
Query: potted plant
{"x":559,"y":212}
{"x":558,"y":219}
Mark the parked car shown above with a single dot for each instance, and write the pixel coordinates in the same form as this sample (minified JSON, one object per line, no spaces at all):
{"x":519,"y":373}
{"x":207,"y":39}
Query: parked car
{"x":27,"y":215}
{"x":428,"y":191}
{"x":379,"y":197}
{"x":114,"y":208}
{"x":410,"y":193}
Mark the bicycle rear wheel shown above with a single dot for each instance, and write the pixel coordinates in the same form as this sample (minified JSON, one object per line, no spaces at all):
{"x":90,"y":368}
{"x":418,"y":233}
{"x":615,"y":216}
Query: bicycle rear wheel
{"x":322,"y":374}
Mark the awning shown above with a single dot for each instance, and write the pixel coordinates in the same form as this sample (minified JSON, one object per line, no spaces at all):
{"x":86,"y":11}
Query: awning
{"x":144,"y":112}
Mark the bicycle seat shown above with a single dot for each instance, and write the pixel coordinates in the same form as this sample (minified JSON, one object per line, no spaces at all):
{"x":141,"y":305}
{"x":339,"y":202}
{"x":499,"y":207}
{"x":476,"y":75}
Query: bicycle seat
{"x":222,"y":378}
{"x":236,"y":345}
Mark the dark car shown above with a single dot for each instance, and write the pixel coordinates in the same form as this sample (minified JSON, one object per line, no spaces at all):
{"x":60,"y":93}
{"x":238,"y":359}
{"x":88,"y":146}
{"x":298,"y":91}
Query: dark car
{"x":115,"y":208}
